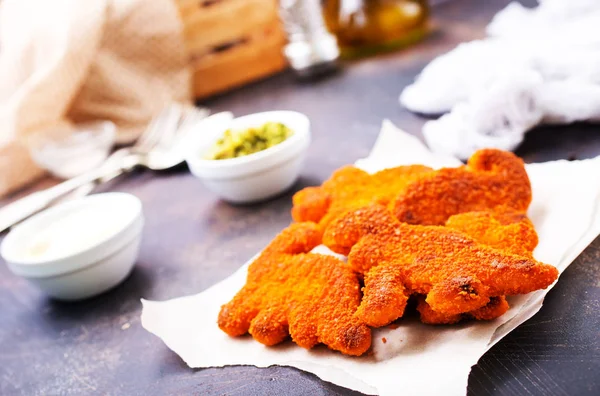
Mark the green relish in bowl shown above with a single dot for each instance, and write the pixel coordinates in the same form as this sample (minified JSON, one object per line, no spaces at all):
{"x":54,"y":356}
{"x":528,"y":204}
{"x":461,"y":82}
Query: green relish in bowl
{"x":235,"y":144}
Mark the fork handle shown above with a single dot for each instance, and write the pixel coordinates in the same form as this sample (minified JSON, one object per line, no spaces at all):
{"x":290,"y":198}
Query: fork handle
{"x":25,"y":207}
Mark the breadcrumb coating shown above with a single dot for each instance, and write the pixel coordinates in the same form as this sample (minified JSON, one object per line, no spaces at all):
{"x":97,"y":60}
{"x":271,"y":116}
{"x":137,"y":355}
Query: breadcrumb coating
{"x":491,"y":178}
{"x":492,"y":310}
{"x":455,"y":273}
{"x":456,"y":239}
{"x":503,"y":229}
{"x":352,"y":188}
{"x":288,"y":291}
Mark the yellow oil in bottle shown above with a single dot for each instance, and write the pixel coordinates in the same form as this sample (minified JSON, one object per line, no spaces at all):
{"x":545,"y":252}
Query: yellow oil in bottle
{"x":364,"y":27}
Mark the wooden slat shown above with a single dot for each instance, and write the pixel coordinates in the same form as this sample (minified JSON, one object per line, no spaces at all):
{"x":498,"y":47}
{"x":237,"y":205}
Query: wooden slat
{"x":227,"y":21}
{"x":253,"y":24}
{"x":239,"y":65}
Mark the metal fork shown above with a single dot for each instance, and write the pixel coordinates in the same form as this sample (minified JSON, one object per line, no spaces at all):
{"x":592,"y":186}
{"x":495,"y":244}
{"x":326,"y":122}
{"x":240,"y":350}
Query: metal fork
{"x":160,"y":134}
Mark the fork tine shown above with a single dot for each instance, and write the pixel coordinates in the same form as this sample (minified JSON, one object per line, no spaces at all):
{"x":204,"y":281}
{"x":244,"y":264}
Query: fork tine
{"x":166,"y":130}
{"x":151,"y":133}
{"x":169,"y":132}
{"x":163,"y":123}
{"x":196,"y":114}
{"x":166,"y":118}
{"x":191,"y":116}
{"x":150,"y":130}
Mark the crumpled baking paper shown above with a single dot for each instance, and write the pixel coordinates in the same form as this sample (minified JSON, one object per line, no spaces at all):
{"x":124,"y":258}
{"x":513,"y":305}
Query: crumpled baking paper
{"x":417,"y":358}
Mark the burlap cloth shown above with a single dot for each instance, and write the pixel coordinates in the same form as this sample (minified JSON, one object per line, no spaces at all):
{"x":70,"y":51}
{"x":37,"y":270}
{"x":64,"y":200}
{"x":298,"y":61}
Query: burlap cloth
{"x":75,"y":61}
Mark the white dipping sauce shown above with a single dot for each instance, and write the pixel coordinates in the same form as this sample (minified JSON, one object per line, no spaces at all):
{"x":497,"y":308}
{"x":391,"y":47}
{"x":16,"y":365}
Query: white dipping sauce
{"x":76,"y":231}
{"x":79,"y":248}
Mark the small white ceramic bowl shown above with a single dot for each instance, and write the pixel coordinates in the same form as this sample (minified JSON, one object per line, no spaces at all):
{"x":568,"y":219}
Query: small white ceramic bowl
{"x":256,"y":176}
{"x":80,"y":248}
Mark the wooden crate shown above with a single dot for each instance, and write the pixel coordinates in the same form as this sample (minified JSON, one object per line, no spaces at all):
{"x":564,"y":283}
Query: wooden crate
{"x":232,"y":42}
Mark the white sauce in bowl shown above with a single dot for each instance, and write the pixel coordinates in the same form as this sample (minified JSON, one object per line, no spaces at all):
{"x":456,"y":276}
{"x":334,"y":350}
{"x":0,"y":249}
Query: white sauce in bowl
{"x":78,"y":248}
{"x":75,"y":232}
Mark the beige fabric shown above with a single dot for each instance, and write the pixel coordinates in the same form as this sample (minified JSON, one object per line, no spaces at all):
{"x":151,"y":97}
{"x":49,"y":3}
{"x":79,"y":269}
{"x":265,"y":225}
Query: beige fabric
{"x":120,"y":60}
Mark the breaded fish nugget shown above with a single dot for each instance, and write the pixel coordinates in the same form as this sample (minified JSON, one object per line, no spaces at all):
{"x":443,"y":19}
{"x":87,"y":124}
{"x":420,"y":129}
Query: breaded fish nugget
{"x":455,"y":273}
{"x":490,"y":179}
{"x":352,"y":188}
{"x":503,"y":229}
{"x":289,"y":292}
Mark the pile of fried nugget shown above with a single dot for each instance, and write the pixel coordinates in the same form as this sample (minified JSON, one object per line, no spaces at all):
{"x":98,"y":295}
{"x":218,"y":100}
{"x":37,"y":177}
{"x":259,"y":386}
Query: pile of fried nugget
{"x":452,"y":242}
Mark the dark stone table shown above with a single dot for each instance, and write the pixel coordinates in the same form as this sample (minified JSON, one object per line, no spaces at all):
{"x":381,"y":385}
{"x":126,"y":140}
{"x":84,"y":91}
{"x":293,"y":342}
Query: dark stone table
{"x":192,"y":240}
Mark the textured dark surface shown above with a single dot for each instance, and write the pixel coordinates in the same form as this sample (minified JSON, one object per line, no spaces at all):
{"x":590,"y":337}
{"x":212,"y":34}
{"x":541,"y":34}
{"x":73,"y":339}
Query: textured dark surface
{"x":192,"y":240}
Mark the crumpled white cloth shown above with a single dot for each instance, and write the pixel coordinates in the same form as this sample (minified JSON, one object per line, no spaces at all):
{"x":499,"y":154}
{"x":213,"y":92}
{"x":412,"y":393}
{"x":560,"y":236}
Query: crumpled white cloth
{"x":538,"y":65}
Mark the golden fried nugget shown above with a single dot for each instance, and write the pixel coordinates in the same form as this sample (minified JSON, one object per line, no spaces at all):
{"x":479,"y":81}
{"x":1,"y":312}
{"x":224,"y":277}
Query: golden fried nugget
{"x":352,"y":188}
{"x":311,"y":297}
{"x":504,"y":229}
{"x":457,"y":274}
{"x":492,"y":310}
{"x":491,"y":178}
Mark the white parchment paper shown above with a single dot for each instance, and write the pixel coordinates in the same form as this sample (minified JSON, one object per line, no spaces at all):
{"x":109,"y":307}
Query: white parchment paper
{"x":417,"y":359}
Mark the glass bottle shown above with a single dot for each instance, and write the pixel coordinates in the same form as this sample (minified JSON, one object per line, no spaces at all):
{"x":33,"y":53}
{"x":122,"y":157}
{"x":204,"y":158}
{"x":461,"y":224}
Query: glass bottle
{"x":311,"y":48}
{"x":363,"y":27}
